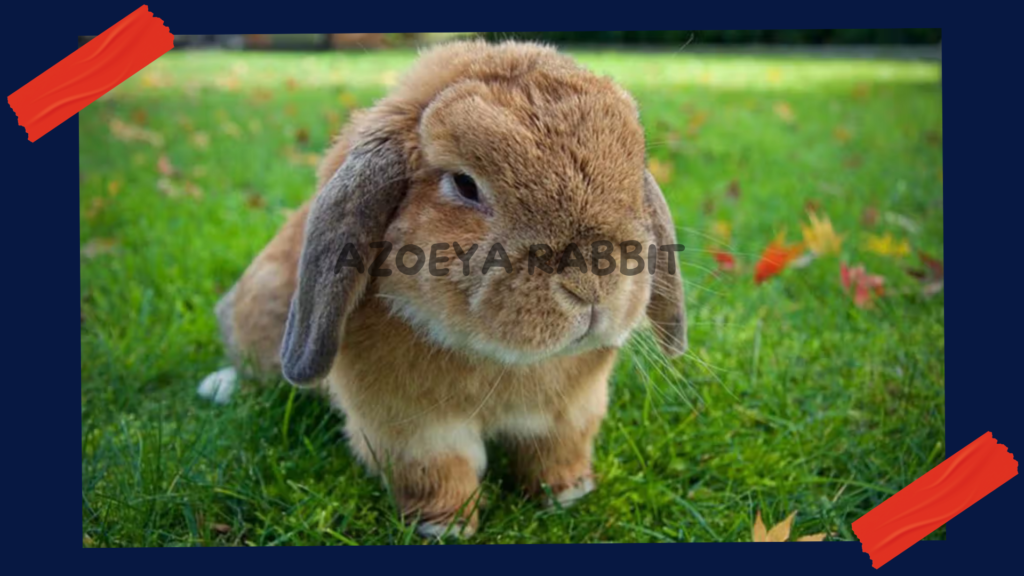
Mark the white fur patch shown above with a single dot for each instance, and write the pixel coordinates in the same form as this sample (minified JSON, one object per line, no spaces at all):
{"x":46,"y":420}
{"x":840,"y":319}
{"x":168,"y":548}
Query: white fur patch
{"x":525,"y":424}
{"x":569,"y":496}
{"x":434,"y":530}
{"x":459,"y":438}
{"x":219,"y":386}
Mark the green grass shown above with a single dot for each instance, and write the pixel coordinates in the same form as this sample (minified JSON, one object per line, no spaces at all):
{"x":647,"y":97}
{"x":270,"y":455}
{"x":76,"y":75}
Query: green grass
{"x":792,"y":398}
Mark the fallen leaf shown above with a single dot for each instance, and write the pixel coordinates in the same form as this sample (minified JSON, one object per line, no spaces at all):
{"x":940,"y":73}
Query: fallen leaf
{"x":296,"y":156}
{"x":734,"y":190}
{"x":709,"y":206}
{"x":933,"y":138}
{"x":865,"y":286}
{"x":231,"y":129}
{"x":220,"y":528}
{"x":229,"y":83}
{"x":99,"y":246}
{"x":726,"y":261}
{"x":697,"y":120}
{"x":661,"y":171}
{"x":113,"y":188}
{"x":96,"y":206}
{"x":347,"y":100}
{"x":902,"y":221}
{"x":842,"y":134}
{"x":139,"y":116}
{"x":760,"y":533}
{"x":168,"y":188}
{"x":261,"y":95}
{"x":780,"y":532}
{"x":776,"y":257}
{"x":302,"y":136}
{"x":292,"y":84}
{"x":255,"y":201}
{"x":870,"y":217}
{"x":931,"y":276}
{"x":887,"y":245}
{"x":722,"y":230}
{"x":784,"y":111}
{"x":200,"y":140}
{"x":811,"y":205}
{"x":164,"y":166}
{"x":861,"y":91}
{"x":126,"y":132}
{"x":153,"y":80}
{"x":193,"y":190}
{"x":819,"y":236}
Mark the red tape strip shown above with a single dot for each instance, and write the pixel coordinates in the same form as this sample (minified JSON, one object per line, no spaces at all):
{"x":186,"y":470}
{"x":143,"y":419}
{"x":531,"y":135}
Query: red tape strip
{"x":90,"y":72}
{"x":933,"y":499}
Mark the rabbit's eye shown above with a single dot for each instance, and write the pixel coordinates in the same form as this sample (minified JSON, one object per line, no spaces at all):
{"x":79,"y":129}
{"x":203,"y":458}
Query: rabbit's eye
{"x":466,"y":187}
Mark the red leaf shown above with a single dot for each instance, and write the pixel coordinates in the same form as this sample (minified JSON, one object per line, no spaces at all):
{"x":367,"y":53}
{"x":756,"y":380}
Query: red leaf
{"x":726,"y":261}
{"x":775,"y":258}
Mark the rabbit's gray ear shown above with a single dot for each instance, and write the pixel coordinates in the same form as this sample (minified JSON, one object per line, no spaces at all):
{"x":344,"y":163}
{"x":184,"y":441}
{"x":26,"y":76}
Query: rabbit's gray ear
{"x":352,"y":211}
{"x":667,"y":309}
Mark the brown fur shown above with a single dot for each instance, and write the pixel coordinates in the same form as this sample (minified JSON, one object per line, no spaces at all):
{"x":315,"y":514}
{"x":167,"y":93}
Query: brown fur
{"x":426,"y":368}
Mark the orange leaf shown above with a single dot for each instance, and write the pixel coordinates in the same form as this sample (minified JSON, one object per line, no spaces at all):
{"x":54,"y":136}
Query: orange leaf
{"x":775,"y":258}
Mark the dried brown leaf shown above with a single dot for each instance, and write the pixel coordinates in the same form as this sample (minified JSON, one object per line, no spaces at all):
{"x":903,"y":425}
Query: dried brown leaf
{"x":255,"y":201}
{"x":139,"y":116}
{"x":126,"y":132}
{"x":100,"y":246}
{"x":812,"y":538}
{"x":734,"y":190}
{"x":760,"y":533}
{"x":870,"y":217}
{"x":780,"y":532}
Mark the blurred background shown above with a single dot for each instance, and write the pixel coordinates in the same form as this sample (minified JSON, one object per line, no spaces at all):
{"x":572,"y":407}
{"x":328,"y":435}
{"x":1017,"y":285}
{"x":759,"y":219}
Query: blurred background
{"x":919,"y":42}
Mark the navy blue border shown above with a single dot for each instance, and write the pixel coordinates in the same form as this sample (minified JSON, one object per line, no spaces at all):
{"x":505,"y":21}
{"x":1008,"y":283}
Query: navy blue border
{"x":984,"y":170}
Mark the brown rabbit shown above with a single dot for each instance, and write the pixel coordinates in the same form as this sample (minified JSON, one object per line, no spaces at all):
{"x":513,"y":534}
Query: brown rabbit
{"x":501,"y":147}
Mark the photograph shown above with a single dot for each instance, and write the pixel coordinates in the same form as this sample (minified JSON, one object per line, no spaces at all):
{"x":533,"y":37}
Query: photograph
{"x":511,"y":287}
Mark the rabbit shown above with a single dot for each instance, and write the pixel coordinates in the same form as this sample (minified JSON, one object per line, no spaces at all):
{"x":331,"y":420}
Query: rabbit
{"x":501,"y":146}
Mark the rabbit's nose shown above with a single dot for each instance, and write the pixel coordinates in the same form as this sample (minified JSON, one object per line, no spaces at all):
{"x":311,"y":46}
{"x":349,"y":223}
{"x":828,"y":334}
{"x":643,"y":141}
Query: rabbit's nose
{"x":582,"y":293}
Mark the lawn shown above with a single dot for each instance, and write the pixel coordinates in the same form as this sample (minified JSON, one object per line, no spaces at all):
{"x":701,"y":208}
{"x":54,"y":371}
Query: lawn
{"x":792,"y":397}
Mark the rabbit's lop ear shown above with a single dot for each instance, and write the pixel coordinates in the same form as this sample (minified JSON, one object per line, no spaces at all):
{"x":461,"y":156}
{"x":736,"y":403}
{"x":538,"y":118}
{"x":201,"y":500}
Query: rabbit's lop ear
{"x":666,"y":310}
{"x":352,"y":211}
